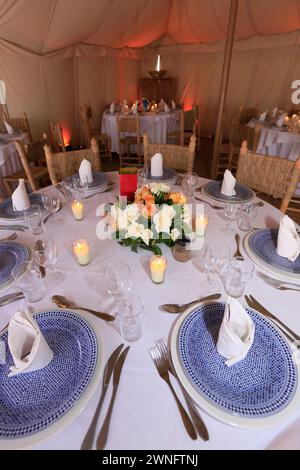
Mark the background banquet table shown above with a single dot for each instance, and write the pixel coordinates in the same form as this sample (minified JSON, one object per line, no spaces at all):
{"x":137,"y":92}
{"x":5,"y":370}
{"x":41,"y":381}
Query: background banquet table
{"x":145,"y":415}
{"x":156,"y":125}
{"x":9,"y":157}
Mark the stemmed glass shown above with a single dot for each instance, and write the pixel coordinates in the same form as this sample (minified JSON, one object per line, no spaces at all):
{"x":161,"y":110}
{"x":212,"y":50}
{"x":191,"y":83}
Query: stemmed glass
{"x":216,"y":259}
{"x":142,"y":175}
{"x":45,"y":253}
{"x":230,"y":214}
{"x":189,"y":183}
{"x":80,"y":186}
{"x":118,"y":281}
{"x":52,"y":204}
{"x":236,"y":276}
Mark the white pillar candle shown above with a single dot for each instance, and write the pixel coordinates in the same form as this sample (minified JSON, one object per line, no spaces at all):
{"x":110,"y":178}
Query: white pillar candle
{"x":157,"y":68}
{"x":77,"y":209}
{"x":201,"y":224}
{"x":158,"y":265}
{"x":81,"y":250}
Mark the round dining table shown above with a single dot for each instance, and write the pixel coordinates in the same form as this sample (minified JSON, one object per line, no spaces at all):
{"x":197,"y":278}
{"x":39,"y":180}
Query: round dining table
{"x":145,"y":415}
{"x":155,"y":124}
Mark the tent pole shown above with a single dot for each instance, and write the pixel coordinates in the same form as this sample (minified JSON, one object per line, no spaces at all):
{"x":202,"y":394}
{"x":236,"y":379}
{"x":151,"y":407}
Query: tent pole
{"x":224,"y":84}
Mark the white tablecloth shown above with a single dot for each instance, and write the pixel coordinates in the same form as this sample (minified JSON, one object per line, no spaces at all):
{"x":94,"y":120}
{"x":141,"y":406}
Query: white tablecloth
{"x":9,"y":158}
{"x":156,"y":125}
{"x":145,"y":415}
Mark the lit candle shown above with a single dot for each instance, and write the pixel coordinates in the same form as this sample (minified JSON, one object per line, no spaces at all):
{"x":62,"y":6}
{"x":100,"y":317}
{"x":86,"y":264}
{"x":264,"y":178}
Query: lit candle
{"x":77,"y":209}
{"x":201,"y":224}
{"x":157,"y":68}
{"x":158,"y":265}
{"x":152,"y":108}
{"x":81,"y":250}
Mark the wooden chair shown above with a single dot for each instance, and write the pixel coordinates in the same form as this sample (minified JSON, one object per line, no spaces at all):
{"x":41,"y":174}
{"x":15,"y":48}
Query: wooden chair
{"x":290,"y":203}
{"x":129,"y":134}
{"x":274,"y":176}
{"x":56,"y":137}
{"x":175,"y":156}
{"x":21,"y":123}
{"x":63,"y":164}
{"x":33,"y":162}
{"x":89,"y":132}
{"x":189,"y":124}
{"x":246,"y":114}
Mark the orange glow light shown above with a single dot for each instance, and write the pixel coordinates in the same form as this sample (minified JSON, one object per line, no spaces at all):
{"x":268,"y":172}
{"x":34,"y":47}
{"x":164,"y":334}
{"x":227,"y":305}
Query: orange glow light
{"x":66,"y":136}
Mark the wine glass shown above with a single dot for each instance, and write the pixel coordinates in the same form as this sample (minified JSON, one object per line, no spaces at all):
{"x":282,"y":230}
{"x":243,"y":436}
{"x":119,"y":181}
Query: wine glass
{"x":118,"y":281}
{"x":216,"y":259}
{"x":52,"y":204}
{"x":236,"y":276}
{"x":51,"y":252}
{"x":230,"y":214}
{"x":189,"y":183}
{"x":142,"y":175}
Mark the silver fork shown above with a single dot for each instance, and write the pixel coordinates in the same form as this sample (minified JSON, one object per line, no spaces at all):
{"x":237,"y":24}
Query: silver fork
{"x":217,"y":208}
{"x":162,"y":369}
{"x":277,"y":284}
{"x":196,"y":418}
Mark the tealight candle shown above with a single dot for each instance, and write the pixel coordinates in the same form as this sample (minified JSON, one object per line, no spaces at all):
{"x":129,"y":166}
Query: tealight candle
{"x":77,"y":209}
{"x":201,"y":224}
{"x":81,"y":250}
{"x":158,"y":265}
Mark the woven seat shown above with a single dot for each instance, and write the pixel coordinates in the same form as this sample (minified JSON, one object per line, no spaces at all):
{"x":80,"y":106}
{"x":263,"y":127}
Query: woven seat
{"x":174,"y":156}
{"x":34,"y":166}
{"x":64,"y":164}
{"x":189,"y":124}
{"x":274,"y":176}
{"x":90,"y":132}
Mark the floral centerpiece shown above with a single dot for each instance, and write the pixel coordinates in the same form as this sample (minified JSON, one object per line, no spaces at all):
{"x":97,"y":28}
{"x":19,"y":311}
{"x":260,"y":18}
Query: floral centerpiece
{"x":155,"y":216}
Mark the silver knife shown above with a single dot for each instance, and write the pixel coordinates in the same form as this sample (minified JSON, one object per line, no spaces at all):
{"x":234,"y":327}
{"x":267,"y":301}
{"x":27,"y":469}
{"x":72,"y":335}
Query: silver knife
{"x":102,"y":438}
{"x":5,"y":299}
{"x":87,"y":442}
{"x":20,"y":228}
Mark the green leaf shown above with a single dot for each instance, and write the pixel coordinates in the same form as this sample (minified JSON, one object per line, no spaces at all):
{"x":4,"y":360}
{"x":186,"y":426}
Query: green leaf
{"x":156,"y":249}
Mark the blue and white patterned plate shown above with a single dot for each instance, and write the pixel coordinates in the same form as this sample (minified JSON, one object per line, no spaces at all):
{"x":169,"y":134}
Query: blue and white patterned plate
{"x":8,"y":214}
{"x":11,"y":254}
{"x":258,"y":388}
{"x":212,"y":190}
{"x":100,"y":180}
{"x":33,"y":402}
{"x":261,"y":247}
{"x":169,"y":175}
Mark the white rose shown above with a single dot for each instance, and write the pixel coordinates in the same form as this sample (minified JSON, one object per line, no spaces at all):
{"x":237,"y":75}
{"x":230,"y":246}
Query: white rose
{"x":132,"y":211}
{"x":163,"y":219}
{"x":122,"y":220}
{"x":146,"y":235}
{"x":159,"y":188}
{"x":134,"y":230}
{"x":175,"y":234}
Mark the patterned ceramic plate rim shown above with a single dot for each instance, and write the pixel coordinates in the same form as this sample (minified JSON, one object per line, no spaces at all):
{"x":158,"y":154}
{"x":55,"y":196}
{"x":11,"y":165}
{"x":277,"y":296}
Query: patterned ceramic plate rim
{"x":94,"y":188}
{"x":210,"y":408}
{"x":263,"y":264}
{"x":232,"y":199}
{"x":79,"y":405}
{"x":16,"y":219}
{"x":10,"y":281}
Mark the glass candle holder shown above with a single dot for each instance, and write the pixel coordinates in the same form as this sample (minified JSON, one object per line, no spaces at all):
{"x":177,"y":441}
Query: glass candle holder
{"x":81,"y":249}
{"x":77,"y":209}
{"x":158,"y":265}
{"x":201,"y":224}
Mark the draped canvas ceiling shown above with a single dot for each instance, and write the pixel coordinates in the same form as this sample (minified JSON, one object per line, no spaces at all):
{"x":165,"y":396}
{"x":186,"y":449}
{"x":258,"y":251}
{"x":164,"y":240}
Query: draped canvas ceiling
{"x":57,"y":54}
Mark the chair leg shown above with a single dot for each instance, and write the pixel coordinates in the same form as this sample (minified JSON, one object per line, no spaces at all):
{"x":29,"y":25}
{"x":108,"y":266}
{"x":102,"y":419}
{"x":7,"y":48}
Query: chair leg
{"x":7,"y":187}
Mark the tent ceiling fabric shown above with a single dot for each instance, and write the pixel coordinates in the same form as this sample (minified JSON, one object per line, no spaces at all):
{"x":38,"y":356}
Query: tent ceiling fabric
{"x":43,"y":26}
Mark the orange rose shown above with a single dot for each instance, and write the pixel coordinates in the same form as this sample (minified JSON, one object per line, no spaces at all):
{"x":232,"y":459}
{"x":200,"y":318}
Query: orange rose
{"x":149,"y":210}
{"x":149,"y":199}
{"x":145,"y":192}
{"x":177,"y":198}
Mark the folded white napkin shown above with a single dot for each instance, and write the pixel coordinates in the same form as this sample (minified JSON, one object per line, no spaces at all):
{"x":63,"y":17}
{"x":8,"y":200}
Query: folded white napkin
{"x":85,"y":171}
{"x":9,"y":128}
{"x":112,"y":108}
{"x":263,"y":116}
{"x":28,"y":347}
{"x":167,"y":109}
{"x":173,"y":104}
{"x":134,"y":108}
{"x":280,"y":120}
{"x":228,"y":184}
{"x":20,"y":199}
{"x":274,"y":111}
{"x":2,"y":92}
{"x":157,"y":165}
{"x":236,"y":333}
{"x":288,"y":241}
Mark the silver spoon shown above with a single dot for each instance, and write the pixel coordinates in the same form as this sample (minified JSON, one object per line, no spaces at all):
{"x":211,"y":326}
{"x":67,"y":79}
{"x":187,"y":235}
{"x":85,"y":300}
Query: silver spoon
{"x":180,"y":308}
{"x":62,"y":302}
{"x":238,"y":255}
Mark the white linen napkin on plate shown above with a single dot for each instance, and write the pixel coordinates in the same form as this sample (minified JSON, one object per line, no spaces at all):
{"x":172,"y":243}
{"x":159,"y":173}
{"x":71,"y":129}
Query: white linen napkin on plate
{"x":85,"y":171}
{"x":228,"y":184}
{"x":274,"y":112}
{"x":167,"y":109}
{"x":173,"y":104}
{"x":288,"y":241}
{"x":19,"y":198}
{"x":280,"y":120}
{"x":157,"y":165}
{"x":112,"y":108}
{"x":9,"y":128}
{"x":28,"y":347}
{"x":263,"y":116}
{"x":236,"y":333}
